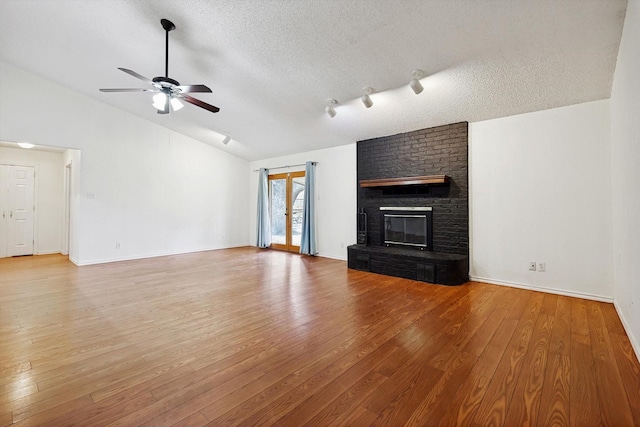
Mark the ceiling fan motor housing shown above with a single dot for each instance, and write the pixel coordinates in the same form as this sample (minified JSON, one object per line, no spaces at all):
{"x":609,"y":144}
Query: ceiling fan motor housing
{"x":166,"y":80}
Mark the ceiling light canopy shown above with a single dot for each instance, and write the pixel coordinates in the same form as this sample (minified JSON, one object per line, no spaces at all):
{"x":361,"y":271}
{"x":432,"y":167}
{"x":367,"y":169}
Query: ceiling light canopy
{"x":366,"y":99}
{"x":415,"y":84}
{"x":329,"y":109}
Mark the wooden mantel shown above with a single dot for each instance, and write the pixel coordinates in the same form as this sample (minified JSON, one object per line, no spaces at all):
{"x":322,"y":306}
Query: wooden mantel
{"x":412,"y":180}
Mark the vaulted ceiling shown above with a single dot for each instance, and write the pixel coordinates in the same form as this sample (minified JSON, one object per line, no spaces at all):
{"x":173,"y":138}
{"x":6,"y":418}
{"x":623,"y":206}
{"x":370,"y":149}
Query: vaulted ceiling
{"x":272,"y":64}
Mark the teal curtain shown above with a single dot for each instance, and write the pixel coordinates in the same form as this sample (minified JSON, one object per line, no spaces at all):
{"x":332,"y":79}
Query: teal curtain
{"x":263,"y":224}
{"x":308,"y":238}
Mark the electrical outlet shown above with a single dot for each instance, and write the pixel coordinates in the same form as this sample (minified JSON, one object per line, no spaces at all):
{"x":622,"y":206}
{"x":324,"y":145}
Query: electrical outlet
{"x":532,"y":266}
{"x":91,"y":195}
{"x":542,"y":267}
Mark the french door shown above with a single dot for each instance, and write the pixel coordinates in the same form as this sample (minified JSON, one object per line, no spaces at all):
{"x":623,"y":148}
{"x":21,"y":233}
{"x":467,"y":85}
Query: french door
{"x":286,"y":200}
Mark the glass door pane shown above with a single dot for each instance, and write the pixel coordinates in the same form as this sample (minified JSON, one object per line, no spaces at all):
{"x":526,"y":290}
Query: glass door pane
{"x":297,"y":204}
{"x":278,"y":204}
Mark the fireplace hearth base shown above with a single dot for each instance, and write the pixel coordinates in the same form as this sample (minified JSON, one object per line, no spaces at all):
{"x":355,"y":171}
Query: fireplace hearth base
{"x":426,"y":266}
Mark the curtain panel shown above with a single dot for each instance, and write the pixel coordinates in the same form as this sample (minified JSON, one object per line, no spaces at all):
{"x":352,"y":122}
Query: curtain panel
{"x":263,"y":224}
{"x":308,"y":238}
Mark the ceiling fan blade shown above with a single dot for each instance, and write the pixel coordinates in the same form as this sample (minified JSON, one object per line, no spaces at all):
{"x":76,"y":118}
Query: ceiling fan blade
{"x":129,"y":90}
{"x":136,"y":75}
{"x":197,"y":102}
{"x":194,"y":88}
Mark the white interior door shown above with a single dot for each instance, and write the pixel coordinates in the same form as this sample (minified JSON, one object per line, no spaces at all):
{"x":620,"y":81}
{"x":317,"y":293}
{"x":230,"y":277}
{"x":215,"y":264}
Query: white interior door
{"x":17,"y":210}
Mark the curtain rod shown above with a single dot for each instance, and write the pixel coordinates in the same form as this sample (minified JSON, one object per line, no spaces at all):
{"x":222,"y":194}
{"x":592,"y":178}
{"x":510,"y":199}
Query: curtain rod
{"x":286,"y":166}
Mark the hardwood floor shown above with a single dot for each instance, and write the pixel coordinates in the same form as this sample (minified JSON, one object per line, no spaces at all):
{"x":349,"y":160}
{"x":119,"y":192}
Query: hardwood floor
{"x":253,"y":337}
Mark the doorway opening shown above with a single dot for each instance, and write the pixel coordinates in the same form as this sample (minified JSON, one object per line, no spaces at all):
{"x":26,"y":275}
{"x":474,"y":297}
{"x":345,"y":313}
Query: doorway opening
{"x":48,"y":228}
{"x":286,"y":201}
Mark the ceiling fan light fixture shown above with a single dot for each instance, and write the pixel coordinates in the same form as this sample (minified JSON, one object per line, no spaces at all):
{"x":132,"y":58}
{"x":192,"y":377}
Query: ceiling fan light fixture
{"x":366,"y":99}
{"x":415,"y":84}
{"x":159,"y":101}
{"x":329,"y":109}
{"x":176,"y":104}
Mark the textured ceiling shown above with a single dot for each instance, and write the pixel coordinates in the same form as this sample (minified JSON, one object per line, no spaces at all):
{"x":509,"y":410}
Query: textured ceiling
{"x":272,"y":64}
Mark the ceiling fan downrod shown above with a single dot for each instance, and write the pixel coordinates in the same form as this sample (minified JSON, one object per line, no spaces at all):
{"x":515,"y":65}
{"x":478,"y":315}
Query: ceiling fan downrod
{"x":168,"y":26}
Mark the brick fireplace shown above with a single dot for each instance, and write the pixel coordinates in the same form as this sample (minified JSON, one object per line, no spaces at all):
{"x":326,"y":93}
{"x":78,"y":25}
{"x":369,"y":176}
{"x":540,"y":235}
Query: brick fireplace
{"x":415,"y":170}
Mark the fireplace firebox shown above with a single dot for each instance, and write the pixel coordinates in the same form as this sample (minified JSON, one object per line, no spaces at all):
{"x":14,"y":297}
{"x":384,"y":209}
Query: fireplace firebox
{"x":409,"y":227}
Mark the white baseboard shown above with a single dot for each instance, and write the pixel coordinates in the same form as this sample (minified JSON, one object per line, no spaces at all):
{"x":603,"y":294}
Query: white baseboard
{"x":547,"y":290}
{"x":333,"y":257}
{"x":131,"y":258}
{"x":634,"y":342}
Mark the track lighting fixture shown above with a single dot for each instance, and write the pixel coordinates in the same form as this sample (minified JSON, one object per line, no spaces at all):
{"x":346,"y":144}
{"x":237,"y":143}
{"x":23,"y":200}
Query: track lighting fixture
{"x":329,"y":108}
{"x":366,"y":99}
{"x":415,"y":84}
{"x":226,"y":140}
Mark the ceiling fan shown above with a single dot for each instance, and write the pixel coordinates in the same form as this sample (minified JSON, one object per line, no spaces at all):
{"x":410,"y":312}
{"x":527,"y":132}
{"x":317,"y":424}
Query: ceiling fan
{"x":169,"y":91}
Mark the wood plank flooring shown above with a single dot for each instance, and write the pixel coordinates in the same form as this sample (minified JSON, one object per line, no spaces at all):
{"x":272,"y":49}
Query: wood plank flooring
{"x":257,"y":337}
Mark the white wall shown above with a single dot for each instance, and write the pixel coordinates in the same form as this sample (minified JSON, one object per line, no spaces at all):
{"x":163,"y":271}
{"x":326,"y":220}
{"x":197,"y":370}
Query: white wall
{"x":625,"y":139}
{"x":335,"y":199}
{"x":540,"y":190}
{"x":155,"y":192}
{"x":49,"y":194}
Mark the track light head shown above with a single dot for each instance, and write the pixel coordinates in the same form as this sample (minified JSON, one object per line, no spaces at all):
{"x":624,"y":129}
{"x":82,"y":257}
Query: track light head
{"x":329,"y":109}
{"x":415,"y":84}
{"x":366,"y":99}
